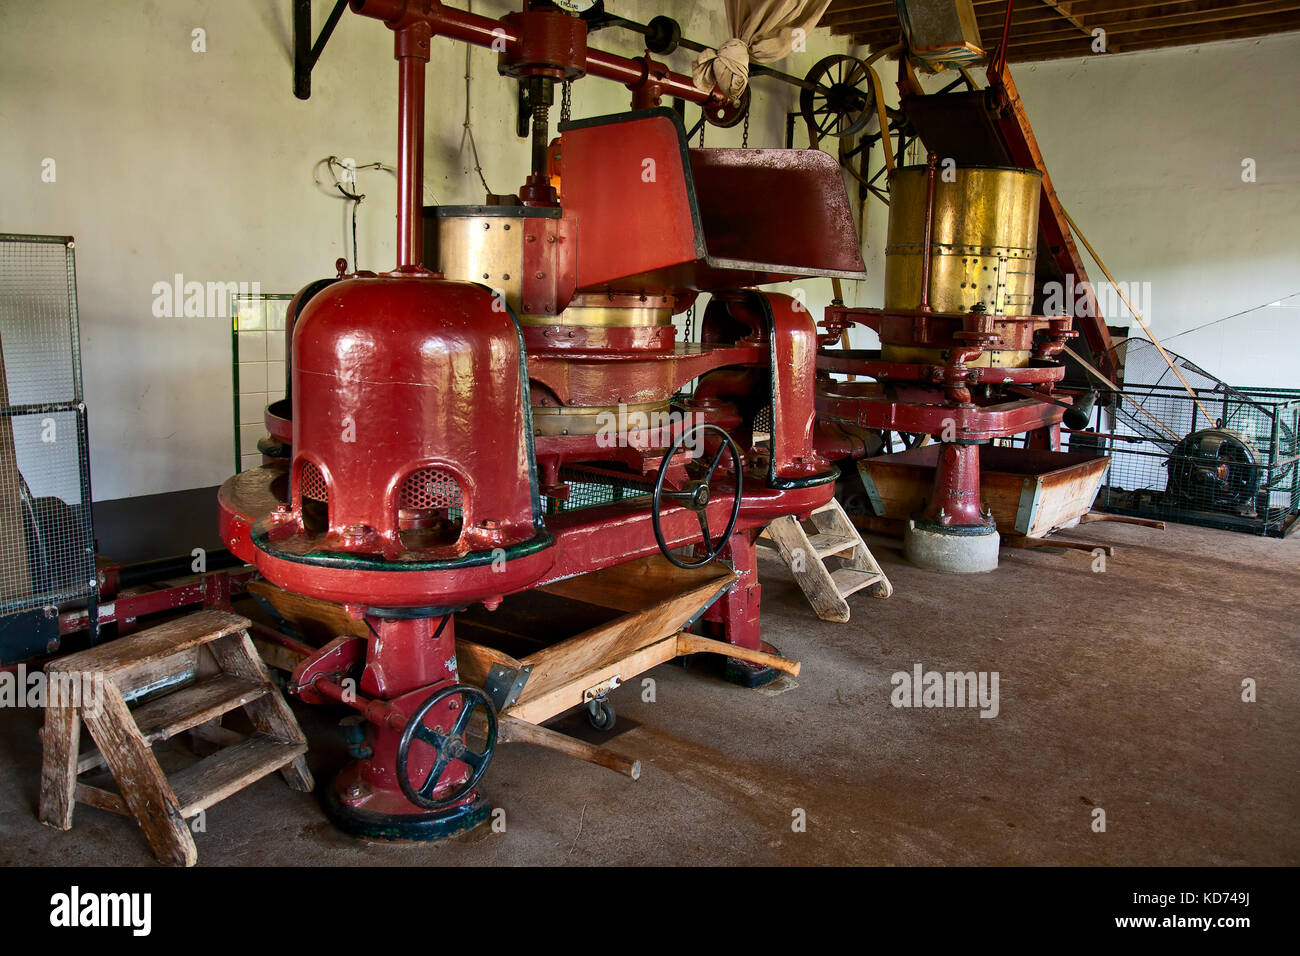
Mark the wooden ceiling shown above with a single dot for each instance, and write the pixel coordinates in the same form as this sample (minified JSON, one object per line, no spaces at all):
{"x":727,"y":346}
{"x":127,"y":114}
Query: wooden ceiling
{"x":1052,"y":29}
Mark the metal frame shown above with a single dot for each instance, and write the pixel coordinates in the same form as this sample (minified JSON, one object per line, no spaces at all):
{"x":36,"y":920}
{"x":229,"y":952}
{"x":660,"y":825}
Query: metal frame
{"x":76,"y":406}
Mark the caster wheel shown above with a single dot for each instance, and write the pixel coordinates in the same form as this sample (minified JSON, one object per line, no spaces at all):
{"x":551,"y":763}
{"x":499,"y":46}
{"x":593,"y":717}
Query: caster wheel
{"x":600,"y":714}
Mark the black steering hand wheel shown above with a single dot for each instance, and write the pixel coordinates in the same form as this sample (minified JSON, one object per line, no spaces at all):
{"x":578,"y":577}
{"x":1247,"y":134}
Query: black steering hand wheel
{"x":448,"y":746}
{"x":697,"y":494}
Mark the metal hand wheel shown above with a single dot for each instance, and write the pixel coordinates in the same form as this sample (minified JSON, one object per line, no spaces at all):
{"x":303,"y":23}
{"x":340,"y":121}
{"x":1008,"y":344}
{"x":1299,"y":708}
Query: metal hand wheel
{"x":696,"y":495}
{"x":449,"y":746}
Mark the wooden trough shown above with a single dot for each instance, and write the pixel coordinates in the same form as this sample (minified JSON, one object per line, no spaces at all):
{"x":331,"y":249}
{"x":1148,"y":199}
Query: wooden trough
{"x":1032,"y":493}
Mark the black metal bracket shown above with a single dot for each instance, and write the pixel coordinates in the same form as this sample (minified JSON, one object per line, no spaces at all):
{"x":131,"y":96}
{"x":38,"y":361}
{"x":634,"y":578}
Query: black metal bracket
{"x":306,"y":53}
{"x":504,"y":684}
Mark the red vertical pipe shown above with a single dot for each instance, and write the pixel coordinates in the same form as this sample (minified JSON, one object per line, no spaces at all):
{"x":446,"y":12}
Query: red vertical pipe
{"x":411,"y":48}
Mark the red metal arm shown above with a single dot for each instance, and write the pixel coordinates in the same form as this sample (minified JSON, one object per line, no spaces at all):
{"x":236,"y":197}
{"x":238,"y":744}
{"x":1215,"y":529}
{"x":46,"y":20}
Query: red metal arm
{"x":500,"y":35}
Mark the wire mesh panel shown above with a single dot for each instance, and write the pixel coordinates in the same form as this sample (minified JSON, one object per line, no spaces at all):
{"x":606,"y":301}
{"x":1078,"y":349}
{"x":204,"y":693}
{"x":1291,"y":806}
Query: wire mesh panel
{"x":1223,"y":457}
{"x":46,"y":536}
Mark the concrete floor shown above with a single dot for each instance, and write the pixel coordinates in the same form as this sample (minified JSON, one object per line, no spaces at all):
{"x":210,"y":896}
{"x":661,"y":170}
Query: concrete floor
{"x":1119,"y":690}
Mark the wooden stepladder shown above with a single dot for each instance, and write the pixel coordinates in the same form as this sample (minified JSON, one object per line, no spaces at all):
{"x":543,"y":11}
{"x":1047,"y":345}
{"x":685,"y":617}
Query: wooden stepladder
{"x":209,"y":661}
{"x":806,"y":551}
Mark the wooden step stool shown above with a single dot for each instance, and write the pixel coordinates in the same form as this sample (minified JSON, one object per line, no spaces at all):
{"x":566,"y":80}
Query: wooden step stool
{"x":143,"y":664}
{"x":806,"y":554}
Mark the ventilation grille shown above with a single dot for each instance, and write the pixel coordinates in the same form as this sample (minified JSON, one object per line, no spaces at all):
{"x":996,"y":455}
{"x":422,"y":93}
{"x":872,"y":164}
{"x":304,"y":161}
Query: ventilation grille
{"x":429,"y":488}
{"x":311,"y":483}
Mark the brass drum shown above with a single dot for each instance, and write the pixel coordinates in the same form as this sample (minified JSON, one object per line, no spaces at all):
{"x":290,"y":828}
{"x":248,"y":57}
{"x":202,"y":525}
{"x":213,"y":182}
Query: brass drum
{"x":983,"y":242}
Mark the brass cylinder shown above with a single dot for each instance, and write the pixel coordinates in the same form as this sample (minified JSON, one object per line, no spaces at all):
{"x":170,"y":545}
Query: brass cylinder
{"x":614,"y":420}
{"x":982,"y":246}
{"x":481,"y":244}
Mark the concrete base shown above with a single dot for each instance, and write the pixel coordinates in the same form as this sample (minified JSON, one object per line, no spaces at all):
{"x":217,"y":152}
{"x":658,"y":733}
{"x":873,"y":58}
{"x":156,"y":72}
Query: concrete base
{"x":954,"y":553}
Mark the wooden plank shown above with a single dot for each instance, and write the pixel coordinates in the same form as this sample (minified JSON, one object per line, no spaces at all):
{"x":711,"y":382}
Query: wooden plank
{"x":164,"y":674}
{"x":851,"y":580}
{"x":1063,"y":7}
{"x":1065,"y":496}
{"x":174,"y":713}
{"x":143,"y":785}
{"x":197,"y":704}
{"x":1020,"y":541}
{"x":102,"y":799}
{"x":208,"y":782}
{"x":1122,"y":519}
{"x":153,"y":644}
{"x":277,"y":655}
{"x":1164,"y":18}
{"x":60,"y":739}
{"x":474,"y":661}
{"x":826,"y":543}
{"x":688,"y":643}
{"x":268,"y":712}
{"x":569,"y":694}
{"x":813,"y":577}
{"x":512,"y":730}
{"x":610,"y":643}
{"x":310,"y":617}
{"x":637,"y":584}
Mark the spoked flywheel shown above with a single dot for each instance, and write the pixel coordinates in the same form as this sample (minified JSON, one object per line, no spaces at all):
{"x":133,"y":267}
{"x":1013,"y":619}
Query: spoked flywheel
{"x":838,"y":99}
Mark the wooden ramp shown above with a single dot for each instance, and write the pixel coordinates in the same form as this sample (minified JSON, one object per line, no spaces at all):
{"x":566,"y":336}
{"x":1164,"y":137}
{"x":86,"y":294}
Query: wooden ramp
{"x":164,"y":666}
{"x":806,"y":551}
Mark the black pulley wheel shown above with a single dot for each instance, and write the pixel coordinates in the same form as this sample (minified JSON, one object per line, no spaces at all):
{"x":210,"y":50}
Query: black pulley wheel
{"x":837,"y":99}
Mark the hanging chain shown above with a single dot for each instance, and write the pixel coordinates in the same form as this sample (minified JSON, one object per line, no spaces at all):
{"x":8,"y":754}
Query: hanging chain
{"x":469,"y":130}
{"x":566,"y":101}
{"x":690,"y":323}
{"x":744,"y":136}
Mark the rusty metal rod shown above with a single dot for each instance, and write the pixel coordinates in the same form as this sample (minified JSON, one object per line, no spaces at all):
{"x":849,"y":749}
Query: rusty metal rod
{"x":930,"y":163}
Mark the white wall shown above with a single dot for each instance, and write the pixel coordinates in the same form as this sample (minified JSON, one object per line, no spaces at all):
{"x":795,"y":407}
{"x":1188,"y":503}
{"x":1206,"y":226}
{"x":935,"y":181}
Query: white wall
{"x":1146,"y":151}
{"x":174,"y":161}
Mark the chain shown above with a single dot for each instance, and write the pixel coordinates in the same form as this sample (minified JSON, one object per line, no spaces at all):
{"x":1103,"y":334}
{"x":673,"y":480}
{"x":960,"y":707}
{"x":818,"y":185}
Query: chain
{"x":468,"y":135}
{"x":566,"y":101}
{"x":690,"y":313}
{"x":744,"y":136}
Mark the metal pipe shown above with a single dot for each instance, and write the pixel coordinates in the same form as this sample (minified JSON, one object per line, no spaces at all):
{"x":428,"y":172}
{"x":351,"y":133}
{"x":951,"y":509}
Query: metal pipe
{"x":376,"y":711}
{"x":411,"y":46}
{"x":466,"y":27}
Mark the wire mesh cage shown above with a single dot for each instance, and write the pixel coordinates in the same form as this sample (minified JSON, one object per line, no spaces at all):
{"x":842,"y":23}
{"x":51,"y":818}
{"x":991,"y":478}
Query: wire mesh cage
{"x":1207,"y":454}
{"x":46,"y":535}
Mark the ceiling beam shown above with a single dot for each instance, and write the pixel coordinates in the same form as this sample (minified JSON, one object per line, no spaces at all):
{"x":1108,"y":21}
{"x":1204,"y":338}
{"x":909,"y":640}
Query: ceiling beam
{"x":1218,"y":11}
{"x":1064,"y":8}
{"x":1157,"y":39}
